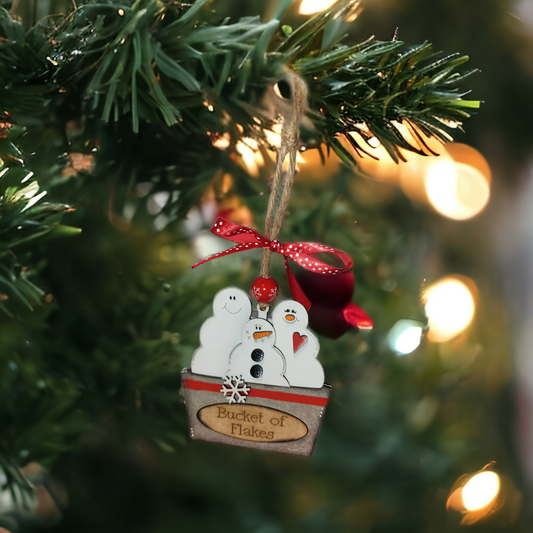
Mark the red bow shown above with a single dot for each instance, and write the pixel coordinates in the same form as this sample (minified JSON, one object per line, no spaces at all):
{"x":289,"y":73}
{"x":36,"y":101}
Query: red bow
{"x":302,"y":253}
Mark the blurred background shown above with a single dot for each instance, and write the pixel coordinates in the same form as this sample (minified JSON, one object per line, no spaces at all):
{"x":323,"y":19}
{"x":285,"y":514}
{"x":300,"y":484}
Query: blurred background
{"x":417,"y":404}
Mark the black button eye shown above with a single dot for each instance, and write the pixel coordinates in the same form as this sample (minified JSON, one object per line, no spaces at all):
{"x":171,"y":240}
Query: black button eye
{"x":256,"y":371}
{"x":258,"y":355}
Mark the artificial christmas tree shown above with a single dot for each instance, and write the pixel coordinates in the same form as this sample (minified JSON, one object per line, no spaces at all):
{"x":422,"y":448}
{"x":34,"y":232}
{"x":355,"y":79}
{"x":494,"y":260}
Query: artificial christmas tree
{"x":127,"y":127}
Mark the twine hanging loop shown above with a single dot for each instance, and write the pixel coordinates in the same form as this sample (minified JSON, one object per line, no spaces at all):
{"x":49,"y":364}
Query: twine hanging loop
{"x":290,"y":139}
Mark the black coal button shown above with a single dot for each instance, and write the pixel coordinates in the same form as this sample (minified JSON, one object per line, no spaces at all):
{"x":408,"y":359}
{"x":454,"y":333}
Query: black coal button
{"x":258,"y":355}
{"x":256,"y":371}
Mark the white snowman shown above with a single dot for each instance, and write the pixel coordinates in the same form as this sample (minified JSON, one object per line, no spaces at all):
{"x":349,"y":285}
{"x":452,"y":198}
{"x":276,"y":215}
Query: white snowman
{"x":299,"y":346}
{"x":220,"y":333}
{"x":256,"y":359}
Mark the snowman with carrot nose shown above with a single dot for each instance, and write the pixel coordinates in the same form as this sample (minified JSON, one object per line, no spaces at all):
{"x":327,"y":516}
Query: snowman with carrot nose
{"x":256,"y":358}
{"x":298,"y":345}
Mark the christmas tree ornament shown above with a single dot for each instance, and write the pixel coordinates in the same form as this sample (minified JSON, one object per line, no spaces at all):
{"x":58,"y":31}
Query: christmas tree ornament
{"x":332,"y":291}
{"x":265,"y":290}
{"x":255,"y":380}
{"x":332,"y":312}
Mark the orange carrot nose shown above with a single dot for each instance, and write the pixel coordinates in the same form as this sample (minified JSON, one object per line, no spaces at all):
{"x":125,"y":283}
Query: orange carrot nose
{"x":290,"y":318}
{"x":261,"y":334}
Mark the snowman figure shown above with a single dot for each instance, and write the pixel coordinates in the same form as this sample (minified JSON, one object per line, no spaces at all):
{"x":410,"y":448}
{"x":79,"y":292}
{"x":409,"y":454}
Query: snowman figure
{"x":256,"y":359}
{"x":298,"y":345}
{"x":220,"y":333}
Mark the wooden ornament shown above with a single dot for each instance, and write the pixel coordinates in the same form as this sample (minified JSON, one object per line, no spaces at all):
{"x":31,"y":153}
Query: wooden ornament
{"x":256,"y":358}
{"x":272,"y":418}
{"x":255,"y":380}
{"x":265,"y":290}
{"x":298,"y":345}
{"x":222,"y":332}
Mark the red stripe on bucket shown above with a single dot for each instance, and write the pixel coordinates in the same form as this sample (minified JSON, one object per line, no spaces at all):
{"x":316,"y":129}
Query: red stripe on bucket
{"x":195,"y":384}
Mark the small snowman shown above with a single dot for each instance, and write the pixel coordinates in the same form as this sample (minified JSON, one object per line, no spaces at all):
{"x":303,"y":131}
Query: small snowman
{"x":256,"y":359}
{"x":220,"y":333}
{"x":299,"y":346}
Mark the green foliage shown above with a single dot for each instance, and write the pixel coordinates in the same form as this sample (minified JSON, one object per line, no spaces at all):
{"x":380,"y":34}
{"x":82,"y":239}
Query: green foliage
{"x":158,"y":61}
{"x":25,"y":222}
{"x":368,"y":87}
{"x":180,"y":74}
{"x":146,"y":87}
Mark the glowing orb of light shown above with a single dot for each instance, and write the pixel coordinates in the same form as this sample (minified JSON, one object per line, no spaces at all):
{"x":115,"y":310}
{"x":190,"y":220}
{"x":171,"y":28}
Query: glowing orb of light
{"x":310,"y":7}
{"x":480,"y":490}
{"x":450,"y":308}
{"x":457,"y":190}
{"x":405,"y":336}
{"x":463,"y":153}
{"x":251,"y":156}
{"x":376,"y":163}
{"x":311,"y":168}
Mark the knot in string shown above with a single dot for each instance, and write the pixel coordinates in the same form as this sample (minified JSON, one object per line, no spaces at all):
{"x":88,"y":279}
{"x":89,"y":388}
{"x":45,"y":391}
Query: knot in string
{"x":290,"y":138}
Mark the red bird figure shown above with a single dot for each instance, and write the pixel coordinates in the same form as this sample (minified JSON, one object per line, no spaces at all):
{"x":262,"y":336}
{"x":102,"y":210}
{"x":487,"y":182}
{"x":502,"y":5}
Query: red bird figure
{"x":332,"y":313}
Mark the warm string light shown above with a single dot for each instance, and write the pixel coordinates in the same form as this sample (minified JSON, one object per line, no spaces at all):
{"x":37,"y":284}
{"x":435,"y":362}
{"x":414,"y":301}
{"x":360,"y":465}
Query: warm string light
{"x":450,"y":308}
{"x":456,"y":183}
{"x":312,"y":169}
{"x":480,"y":490}
{"x":249,"y":150}
{"x":456,"y":190}
{"x":483,"y":494}
{"x":310,"y":7}
{"x":251,"y":156}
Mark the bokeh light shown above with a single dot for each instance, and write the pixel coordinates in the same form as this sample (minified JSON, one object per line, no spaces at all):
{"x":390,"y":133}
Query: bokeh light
{"x":312,"y":169}
{"x":310,"y":7}
{"x":485,"y":495}
{"x":463,"y":153}
{"x":457,"y":190}
{"x":480,"y":490}
{"x":378,"y":165}
{"x":413,"y":174}
{"x":450,"y":307}
{"x":251,"y":156}
{"x":405,"y":336}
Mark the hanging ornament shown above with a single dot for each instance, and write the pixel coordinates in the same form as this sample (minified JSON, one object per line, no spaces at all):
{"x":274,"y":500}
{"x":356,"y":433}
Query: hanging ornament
{"x":265,"y":290}
{"x":332,"y":314}
{"x":255,"y":380}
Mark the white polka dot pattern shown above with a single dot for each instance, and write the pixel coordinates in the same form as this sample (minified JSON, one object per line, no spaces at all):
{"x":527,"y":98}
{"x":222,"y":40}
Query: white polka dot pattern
{"x":302,"y":253}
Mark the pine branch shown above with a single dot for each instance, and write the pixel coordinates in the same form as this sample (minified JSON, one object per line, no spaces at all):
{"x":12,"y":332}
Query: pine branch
{"x":163,"y":62}
{"x":25,"y":221}
{"x":369,"y":87}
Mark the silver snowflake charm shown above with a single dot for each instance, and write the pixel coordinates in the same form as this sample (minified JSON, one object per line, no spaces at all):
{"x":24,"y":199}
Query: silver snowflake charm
{"x":235,"y":389}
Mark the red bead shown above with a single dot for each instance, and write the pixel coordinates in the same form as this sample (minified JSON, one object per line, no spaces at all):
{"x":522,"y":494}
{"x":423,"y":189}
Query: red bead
{"x":265,"y":290}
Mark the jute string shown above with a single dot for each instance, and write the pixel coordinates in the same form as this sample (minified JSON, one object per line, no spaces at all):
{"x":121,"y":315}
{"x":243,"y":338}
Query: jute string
{"x":290,"y":138}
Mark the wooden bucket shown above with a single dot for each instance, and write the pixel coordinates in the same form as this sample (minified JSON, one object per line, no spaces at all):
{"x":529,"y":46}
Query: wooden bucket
{"x":280,"y":419}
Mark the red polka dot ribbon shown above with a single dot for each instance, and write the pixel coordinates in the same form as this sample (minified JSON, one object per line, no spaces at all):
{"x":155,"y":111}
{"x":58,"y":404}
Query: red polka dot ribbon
{"x":302,"y":253}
